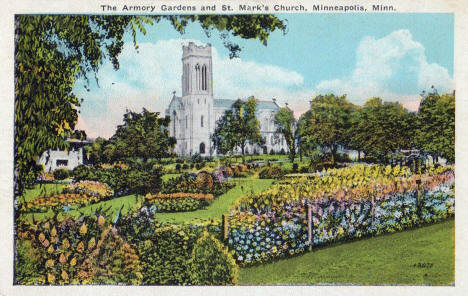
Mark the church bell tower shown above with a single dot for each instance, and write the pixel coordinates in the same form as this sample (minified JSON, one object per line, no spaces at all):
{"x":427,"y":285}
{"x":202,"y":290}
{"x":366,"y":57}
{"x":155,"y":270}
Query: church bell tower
{"x":197,"y":98}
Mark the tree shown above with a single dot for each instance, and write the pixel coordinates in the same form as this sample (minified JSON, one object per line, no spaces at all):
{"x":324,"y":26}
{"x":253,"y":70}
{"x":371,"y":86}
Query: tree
{"x":238,"y":127}
{"x":436,"y":126}
{"x":326,"y":124}
{"x":286,"y":125}
{"x":143,"y":135}
{"x":381,"y":128}
{"x":53,"y":51}
{"x":95,"y":151}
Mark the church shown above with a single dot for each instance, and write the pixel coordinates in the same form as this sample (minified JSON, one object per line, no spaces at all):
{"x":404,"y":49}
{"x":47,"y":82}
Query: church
{"x":194,"y":115}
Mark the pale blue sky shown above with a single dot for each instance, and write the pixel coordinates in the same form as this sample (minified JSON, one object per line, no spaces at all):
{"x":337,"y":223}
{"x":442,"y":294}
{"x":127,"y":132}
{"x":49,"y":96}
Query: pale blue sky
{"x":394,"y":56}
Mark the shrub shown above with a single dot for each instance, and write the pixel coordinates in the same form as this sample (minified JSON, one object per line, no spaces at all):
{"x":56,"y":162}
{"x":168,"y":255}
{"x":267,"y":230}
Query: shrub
{"x":211,"y":263}
{"x":61,"y":174}
{"x":271,"y":172}
{"x":81,"y":251}
{"x":139,"y":178}
{"x":178,"y":202}
{"x":295,"y":167}
{"x":178,"y":167}
{"x":185,"y":166}
{"x":166,"y":256}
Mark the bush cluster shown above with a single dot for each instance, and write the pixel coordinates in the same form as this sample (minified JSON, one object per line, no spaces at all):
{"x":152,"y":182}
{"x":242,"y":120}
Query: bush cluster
{"x":271,"y":172}
{"x":138,"y":178}
{"x":61,"y":174}
{"x":83,"y":251}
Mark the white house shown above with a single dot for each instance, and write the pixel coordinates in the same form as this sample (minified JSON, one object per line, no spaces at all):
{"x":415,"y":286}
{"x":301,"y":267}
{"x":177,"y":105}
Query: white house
{"x":194,"y":115}
{"x":58,"y":159}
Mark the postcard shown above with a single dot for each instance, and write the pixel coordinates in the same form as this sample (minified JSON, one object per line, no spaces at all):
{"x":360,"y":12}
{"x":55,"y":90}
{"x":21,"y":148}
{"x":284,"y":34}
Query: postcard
{"x":235,"y":147}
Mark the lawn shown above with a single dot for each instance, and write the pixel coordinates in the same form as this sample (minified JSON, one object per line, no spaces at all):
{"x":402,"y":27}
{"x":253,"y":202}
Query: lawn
{"x":41,"y":190}
{"x":423,"y":256}
{"x":222,"y":203}
{"x":129,"y":202}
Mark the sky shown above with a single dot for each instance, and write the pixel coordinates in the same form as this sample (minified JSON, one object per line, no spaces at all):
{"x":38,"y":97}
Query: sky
{"x":392,"y":56}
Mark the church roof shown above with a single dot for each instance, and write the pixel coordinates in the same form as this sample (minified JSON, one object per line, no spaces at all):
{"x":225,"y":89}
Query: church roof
{"x":261,"y":105}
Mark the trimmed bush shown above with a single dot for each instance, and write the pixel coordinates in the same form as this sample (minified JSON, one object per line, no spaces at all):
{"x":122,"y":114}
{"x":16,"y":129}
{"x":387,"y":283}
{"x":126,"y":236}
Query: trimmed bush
{"x":271,"y":172}
{"x":61,"y":174}
{"x":166,"y":256}
{"x":211,"y":263}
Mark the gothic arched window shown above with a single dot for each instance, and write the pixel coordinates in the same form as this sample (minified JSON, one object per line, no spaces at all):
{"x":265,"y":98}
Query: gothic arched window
{"x":174,"y":118}
{"x":202,"y":148}
{"x":201,"y":121}
{"x":197,"y":76}
{"x":204,"y":78}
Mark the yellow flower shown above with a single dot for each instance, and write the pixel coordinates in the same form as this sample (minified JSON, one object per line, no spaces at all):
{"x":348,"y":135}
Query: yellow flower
{"x":49,"y":263}
{"x":66,"y":244}
{"x":64,"y":275}
{"x":53,"y":232}
{"x":73,"y":261}
{"x":50,"y":278}
{"x":62,"y":258}
{"x":50,"y":250}
{"x":101,"y":220}
{"x":83,"y":229}
{"x":80,"y":247}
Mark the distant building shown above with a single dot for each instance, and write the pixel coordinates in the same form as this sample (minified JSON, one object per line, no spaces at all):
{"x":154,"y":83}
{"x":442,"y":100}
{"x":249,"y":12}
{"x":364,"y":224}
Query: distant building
{"x":194,"y":115}
{"x":59,"y":159}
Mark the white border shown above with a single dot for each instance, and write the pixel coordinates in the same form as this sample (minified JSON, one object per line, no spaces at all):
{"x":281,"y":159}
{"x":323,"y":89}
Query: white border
{"x":9,"y":8}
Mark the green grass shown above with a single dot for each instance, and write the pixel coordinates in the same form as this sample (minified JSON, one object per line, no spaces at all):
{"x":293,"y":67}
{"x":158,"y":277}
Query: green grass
{"x":41,"y":190}
{"x":220,"y":206}
{"x":386,"y":259}
{"x":169,"y":176}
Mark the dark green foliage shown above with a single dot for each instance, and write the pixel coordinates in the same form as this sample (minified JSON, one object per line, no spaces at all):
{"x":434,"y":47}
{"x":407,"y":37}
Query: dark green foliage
{"x":178,"y":204}
{"x":191,"y":183}
{"x":166,"y":256}
{"x":436,"y":126}
{"x":137,"y":226}
{"x":238,"y":127}
{"x":61,"y":174}
{"x":211,"y":263}
{"x":139,"y":178}
{"x":271,"y":172}
{"x":382,"y":128}
{"x":326,"y":124}
{"x":286,"y":125}
{"x":142,"y":135}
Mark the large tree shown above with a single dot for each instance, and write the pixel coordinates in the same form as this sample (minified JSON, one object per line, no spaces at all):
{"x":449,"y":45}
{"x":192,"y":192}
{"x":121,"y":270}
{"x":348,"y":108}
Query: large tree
{"x":142,"y":135}
{"x":238,"y":127}
{"x":436,"y":126}
{"x":382,"y":128}
{"x":286,"y":125}
{"x":326,"y":124}
{"x":53,"y":51}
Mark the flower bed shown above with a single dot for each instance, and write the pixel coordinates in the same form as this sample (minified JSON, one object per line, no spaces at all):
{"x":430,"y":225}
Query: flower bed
{"x":368,"y":201}
{"x":43,"y":204}
{"x":201,"y":183}
{"x":178,"y":202}
{"x":92,"y":188}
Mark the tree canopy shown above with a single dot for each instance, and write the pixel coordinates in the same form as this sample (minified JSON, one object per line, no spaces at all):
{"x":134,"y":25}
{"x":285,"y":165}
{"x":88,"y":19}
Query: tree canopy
{"x":286,"y":125}
{"x":53,"y":51}
{"x":326,"y":124}
{"x":142,"y":135}
{"x":238,"y":127}
{"x":435,"y":132}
